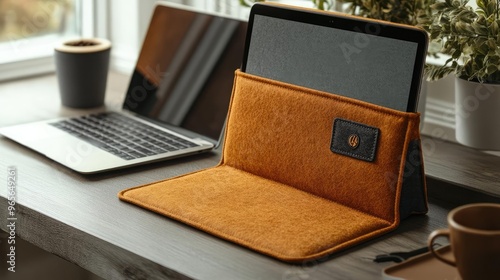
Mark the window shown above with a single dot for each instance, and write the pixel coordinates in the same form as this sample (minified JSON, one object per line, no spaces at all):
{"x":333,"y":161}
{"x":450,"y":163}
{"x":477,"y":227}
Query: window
{"x":29,"y":29}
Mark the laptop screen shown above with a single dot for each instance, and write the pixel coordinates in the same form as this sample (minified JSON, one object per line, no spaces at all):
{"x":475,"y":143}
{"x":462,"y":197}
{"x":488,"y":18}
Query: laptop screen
{"x":369,"y":61}
{"x":185,"y":70}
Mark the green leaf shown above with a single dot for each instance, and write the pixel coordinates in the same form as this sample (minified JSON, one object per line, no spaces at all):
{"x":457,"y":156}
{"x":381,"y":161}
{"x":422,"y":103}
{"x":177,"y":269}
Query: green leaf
{"x":491,"y":8}
{"x":481,"y":4}
{"x":494,"y":29}
{"x":440,"y":6}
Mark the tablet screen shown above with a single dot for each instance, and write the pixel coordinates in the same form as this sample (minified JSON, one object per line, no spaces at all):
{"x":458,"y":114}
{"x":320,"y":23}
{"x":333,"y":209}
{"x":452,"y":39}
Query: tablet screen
{"x":359,"y":59}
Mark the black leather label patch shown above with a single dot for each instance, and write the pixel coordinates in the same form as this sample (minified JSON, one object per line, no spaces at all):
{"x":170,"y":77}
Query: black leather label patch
{"x":354,"y":139}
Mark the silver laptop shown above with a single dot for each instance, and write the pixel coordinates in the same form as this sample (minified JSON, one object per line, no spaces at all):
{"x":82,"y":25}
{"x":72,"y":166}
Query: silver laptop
{"x":176,"y":102}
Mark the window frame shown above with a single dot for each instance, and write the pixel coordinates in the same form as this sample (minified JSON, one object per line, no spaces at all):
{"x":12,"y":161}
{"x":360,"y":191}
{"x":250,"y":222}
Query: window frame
{"x":92,"y":17}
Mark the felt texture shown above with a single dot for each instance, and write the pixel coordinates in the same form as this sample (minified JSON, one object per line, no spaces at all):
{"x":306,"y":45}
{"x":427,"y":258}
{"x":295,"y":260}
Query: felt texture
{"x":258,"y":213}
{"x":279,"y":189}
{"x":283,"y":132}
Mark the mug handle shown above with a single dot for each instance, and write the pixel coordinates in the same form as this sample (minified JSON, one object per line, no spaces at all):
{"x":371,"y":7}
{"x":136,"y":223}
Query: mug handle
{"x":430,"y":243}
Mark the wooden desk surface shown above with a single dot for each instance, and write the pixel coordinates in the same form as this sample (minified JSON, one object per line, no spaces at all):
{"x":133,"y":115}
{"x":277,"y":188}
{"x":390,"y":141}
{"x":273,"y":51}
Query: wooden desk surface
{"x":81,"y":219}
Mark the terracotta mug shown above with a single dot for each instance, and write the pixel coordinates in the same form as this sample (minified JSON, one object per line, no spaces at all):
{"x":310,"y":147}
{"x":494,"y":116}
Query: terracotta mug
{"x":82,"y":70}
{"x":474,"y":234}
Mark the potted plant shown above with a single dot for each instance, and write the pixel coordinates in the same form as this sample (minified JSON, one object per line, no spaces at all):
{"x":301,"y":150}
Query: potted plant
{"x":470,"y":38}
{"x":398,"y":11}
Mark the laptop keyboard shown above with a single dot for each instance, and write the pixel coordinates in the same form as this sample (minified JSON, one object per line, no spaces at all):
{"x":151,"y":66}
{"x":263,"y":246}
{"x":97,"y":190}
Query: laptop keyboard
{"x":122,"y":136}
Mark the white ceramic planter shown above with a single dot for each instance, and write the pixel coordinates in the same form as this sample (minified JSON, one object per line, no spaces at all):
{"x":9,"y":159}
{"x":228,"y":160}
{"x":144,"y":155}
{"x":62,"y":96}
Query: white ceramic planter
{"x":477,"y":114}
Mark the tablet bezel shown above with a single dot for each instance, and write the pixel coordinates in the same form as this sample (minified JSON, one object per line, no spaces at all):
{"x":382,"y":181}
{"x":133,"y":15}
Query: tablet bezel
{"x":349,"y":23}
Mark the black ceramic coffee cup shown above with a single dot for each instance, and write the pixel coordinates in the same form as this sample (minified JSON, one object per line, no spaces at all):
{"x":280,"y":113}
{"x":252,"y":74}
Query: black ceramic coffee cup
{"x":82,"y":71}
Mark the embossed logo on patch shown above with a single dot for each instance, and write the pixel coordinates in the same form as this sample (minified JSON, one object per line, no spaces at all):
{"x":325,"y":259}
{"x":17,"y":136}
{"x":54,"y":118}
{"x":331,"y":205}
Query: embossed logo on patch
{"x":353,"y":141}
